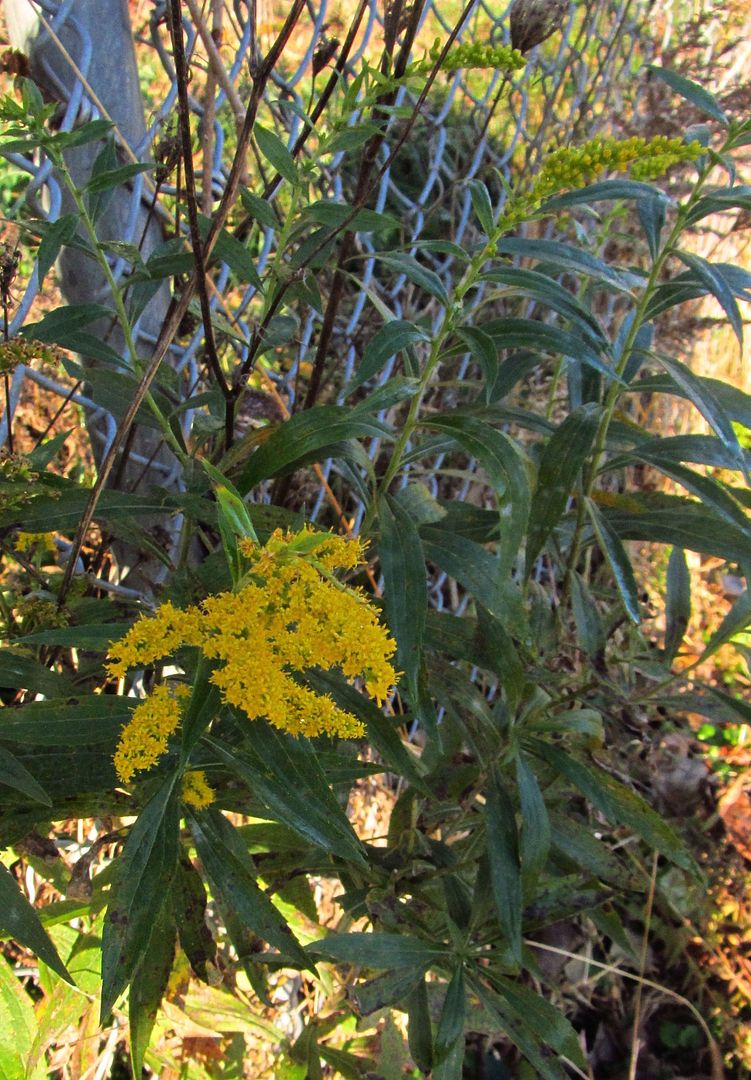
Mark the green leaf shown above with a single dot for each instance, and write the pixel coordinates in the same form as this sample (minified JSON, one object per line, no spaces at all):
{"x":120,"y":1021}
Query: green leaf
{"x":718,"y":287}
{"x":144,"y":874}
{"x":450,"y":1029}
{"x":482,"y":205}
{"x":543,"y":1017}
{"x":652,"y":213}
{"x":506,"y":466}
{"x":616,"y":802}
{"x":668,"y":519}
{"x":603,"y":191}
{"x":259,"y":209}
{"x":386,"y":989}
{"x":419,"y":275}
{"x":18,"y":1023}
{"x":569,"y":258}
{"x":512,"y":333}
{"x":232,"y":874}
{"x":678,"y":603}
{"x":700,"y":394}
{"x":385,"y":343}
{"x":307,"y":436}
{"x":495,"y":650}
{"x":484,"y":353}
{"x":15,"y":775}
{"x":381,"y":732}
{"x":19,"y":919}
{"x":189,"y":904}
{"x":548,"y":291}
{"x":97,"y":718}
{"x":505,"y":866}
{"x":590,"y":632}
{"x":113,"y":178}
{"x":232,"y":252}
{"x":335,"y":215}
{"x":735,"y":621}
{"x":405,"y":591}
{"x":619,"y":561}
{"x":691,"y":91}
{"x":378,"y":950}
{"x":95,"y":637}
{"x":55,"y":236}
{"x":562,"y":459}
{"x":286,"y":775}
{"x":275,"y":152}
{"x":535,"y":837}
{"x":149,"y":985}
{"x":420,"y":1030}
{"x":92,"y":131}
{"x":19,"y":672}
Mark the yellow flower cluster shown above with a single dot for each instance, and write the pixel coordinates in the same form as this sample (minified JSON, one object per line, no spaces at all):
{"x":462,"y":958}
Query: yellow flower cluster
{"x":196,"y":791}
{"x":575,"y":166}
{"x":27,"y":540}
{"x":288,"y":614}
{"x":144,"y":738}
{"x":471,"y":55}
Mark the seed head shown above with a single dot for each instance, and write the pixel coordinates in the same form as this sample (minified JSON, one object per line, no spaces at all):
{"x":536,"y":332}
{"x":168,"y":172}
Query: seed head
{"x":533,"y":21}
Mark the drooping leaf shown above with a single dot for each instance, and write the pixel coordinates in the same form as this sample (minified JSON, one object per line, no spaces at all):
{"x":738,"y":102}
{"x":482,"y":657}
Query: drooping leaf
{"x":450,"y":1030}
{"x":385,"y":343}
{"x":506,"y":467}
{"x":562,"y":459}
{"x":96,"y":718}
{"x":505,"y":864}
{"x":15,"y":775}
{"x":145,"y":871}
{"x":378,"y":950}
{"x":232,"y":874}
{"x":405,"y":586}
{"x":678,"y":603}
{"x":718,"y":287}
{"x":617,"y":802}
{"x":306,"y":437}
{"x":570,"y":258}
{"x":148,"y":986}
{"x":620,"y":564}
{"x":55,"y":236}
{"x":285,"y":774}
{"x":418,"y":274}
{"x":691,"y":91}
{"x":19,"y":919}
{"x":535,"y":832}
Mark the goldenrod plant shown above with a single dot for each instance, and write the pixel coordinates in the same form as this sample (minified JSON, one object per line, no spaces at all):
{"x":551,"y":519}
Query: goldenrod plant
{"x":461,"y":613}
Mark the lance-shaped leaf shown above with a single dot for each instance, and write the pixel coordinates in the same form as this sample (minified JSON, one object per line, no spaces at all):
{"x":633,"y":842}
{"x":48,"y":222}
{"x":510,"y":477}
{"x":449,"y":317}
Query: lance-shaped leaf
{"x":149,"y":985}
{"x":700,"y":394}
{"x":562,"y":459}
{"x":15,"y":775}
{"x":232,"y":874}
{"x":678,"y":603}
{"x":505,"y":865}
{"x":620,"y":563}
{"x":19,"y":919}
{"x":718,"y":287}
{"x":616,"y":802}
{"x":385,"y":343}
{"x":144,"y":874}
{"x":405,"y":593}
{"x":285,"y":774}
{"x":304,"y":438}
{"x":691,"y":91}
{"x":378,"y":950}
{"x":506,"y":467}
{"x":96,"y":718}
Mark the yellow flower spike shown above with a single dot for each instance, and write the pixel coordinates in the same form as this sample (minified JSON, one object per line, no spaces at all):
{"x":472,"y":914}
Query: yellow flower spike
{"x":144,"y":738}
{"x":196,"y":792}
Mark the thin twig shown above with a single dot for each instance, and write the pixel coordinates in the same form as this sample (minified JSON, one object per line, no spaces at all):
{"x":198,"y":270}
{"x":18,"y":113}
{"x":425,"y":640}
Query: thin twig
{"x":178,"y":49}
{"x":216,"y":66}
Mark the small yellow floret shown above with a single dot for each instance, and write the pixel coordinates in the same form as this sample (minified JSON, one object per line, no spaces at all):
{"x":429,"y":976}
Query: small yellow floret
{"x":196,"y":791}
{"x":27,"y":540}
